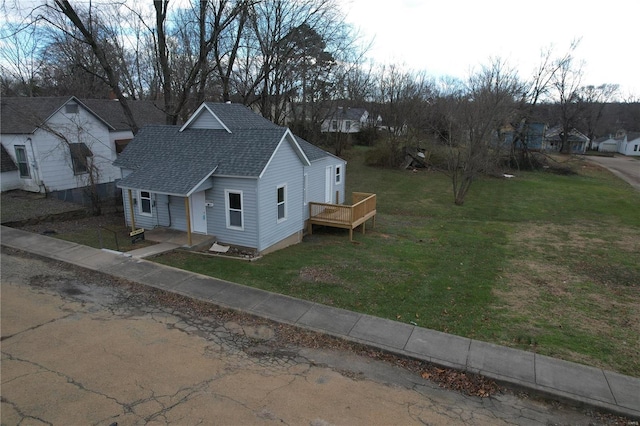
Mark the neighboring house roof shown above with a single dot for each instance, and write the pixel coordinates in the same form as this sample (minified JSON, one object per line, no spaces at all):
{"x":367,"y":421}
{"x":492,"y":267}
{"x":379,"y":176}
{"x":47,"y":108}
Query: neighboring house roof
{"x":341,"y":113}
{"x":553,"y":134}
{"x":24,"y":115}
{"x":144,"y":112}
{"x":632,"y":136}
{"x":6,"y":162}
{"x":175,"y":160}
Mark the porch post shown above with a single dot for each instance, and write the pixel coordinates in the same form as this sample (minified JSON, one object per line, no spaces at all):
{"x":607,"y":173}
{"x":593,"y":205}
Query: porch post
{"x":186,"y":208}
{"x":131,"y":212}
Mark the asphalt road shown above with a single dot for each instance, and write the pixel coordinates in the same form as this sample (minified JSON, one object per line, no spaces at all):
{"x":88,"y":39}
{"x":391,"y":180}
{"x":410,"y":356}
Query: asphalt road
{"x":626,"y":168}
{"x":82,"y":348}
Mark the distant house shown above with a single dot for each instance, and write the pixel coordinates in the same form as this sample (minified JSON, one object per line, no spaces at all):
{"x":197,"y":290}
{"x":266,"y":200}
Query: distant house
{"x":553,"y":140}
{"x":532,"y":136}
{"x":629,"y":144}
{"x":56,"y":141}
{"x":229,"y":173}
{"x":605,"y":144}
{"x":348,"y":120}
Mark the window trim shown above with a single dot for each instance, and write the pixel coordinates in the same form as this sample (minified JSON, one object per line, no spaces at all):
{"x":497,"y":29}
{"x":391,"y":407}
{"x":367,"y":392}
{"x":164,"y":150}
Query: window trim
{"x":140,"y":204}
{"x":227,"y":193}
{"x":24,"y":162}
{"x":338,"y":174}
{"x":282,"y":187}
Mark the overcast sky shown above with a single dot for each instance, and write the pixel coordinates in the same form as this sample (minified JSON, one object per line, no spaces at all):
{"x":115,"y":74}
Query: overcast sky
{"x":450,"y":37}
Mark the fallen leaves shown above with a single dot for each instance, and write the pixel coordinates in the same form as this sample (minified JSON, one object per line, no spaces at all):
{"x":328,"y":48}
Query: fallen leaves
{"x":460,"y":381}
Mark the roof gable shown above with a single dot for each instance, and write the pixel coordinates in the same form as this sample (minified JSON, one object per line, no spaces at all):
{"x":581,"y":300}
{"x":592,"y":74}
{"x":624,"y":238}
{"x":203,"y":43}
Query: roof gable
{"x":227,"y":116}
{"x":23,"y":115}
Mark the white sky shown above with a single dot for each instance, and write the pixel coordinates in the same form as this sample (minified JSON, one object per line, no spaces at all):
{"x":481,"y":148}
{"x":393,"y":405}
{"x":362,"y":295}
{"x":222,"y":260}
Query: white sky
{"x":450,"y":37}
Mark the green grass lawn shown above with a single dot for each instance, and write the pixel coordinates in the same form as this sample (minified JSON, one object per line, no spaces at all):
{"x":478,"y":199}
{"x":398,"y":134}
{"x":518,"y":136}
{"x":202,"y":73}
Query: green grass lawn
{"x":542,"y":262}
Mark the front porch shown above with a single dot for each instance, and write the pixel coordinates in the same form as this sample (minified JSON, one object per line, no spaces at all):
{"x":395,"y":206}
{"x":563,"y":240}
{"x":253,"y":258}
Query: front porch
{"x":344,"y":216}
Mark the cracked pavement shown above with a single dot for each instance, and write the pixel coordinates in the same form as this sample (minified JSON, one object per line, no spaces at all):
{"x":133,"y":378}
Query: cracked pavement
{"x":82,"y":348}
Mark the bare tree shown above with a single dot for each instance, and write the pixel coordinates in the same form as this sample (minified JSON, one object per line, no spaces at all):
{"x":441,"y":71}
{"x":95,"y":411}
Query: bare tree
{"x":593,"y":100}
{"x":402,"y":96}
{"x":567,"y":81}
{"x":475,"y":118}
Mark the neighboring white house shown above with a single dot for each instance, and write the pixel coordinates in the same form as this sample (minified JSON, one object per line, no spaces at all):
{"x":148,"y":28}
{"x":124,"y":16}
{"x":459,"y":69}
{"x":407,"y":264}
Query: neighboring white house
{"x":605,"y":144}
{"x":62,"y":144}
{"x":348,"y":120}
{"x":629,"y":144}
{"x":229,"y":173}
{"x":553,"y":140}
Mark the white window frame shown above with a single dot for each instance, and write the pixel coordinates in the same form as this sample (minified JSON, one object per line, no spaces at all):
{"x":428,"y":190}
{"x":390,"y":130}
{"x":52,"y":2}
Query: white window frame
{"x":338,"y":175}
{"x":282,"y":203}
{"x":25,"y":161}
{"x":140,"y":203}
{"x":228,"y":209}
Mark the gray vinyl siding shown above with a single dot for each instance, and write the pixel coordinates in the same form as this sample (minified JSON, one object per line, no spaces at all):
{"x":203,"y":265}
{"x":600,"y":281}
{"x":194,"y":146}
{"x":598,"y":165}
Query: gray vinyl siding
{"x":285,"y":168}
{"x":177,"y":213}
{"x":142,"y":221}
{"x":205,"y":121}
{"x":316,"y":181}
{"x":217,"y":215}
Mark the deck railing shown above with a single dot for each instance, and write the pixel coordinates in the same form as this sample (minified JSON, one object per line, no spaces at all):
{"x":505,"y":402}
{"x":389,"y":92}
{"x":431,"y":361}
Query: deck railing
{"x":344,"y":216}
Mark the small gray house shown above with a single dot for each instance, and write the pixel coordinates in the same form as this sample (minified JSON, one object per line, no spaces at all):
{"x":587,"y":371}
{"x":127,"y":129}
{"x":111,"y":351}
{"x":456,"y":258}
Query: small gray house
{"x":229,"y":173}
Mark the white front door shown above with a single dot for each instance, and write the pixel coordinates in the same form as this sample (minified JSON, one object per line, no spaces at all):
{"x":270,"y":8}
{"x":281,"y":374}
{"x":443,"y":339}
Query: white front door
{"x":328,"y":187}
{"x":198,"y":213}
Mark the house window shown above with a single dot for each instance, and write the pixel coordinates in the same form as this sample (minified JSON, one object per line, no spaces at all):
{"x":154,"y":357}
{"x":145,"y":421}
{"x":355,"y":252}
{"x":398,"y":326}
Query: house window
{"x":23,"y":164}
{"x":71,"y":108}
{"x":334,"y":124}
{"x":234,"y":209}
{"x":347,"y":125}
{"x":145,"y":203}
{"x":282,"y":202}
{"x":635,"y":148}
{"x":338,"y":174}
{"x":80,"y":154}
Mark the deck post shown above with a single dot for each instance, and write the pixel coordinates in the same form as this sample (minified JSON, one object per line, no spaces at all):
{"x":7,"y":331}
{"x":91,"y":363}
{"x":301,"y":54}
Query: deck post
{"x":186,"y":207}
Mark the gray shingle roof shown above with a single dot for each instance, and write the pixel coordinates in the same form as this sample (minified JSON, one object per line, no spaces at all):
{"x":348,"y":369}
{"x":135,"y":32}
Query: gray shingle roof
{"x":169,"y":161}
{"x":237,"y":116}
{"x":23,"y":115}
{"x":166,"y":160}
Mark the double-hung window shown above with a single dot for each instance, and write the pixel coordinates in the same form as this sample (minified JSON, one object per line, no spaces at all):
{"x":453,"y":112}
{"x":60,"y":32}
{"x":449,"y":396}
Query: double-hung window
{"x":338,"y":174}
{"x":234,"y":209}
{"x":145,"y":203}
{"x":281,"y":195}
{"x":80,"y":154}
{"x":23,"y":163}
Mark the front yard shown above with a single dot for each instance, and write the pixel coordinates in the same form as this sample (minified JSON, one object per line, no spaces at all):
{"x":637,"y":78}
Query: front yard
{"x":542,"y":262}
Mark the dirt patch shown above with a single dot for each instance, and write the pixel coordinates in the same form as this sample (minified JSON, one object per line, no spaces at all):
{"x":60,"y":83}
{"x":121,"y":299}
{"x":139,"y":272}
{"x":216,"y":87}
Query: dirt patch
{"x":318,"y":274}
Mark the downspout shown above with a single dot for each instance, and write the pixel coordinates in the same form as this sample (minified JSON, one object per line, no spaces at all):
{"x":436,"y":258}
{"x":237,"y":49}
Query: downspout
{"x":36,"y":168}
{"x":133,"y":219}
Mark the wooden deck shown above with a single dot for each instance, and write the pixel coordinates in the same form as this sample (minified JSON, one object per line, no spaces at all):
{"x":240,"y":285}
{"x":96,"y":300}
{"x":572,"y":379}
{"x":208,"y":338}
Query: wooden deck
{"x":344,"y":216}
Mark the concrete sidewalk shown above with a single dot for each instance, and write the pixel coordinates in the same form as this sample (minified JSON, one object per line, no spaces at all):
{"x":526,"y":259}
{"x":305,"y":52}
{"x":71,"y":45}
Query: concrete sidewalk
{"x":561,"y":379}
